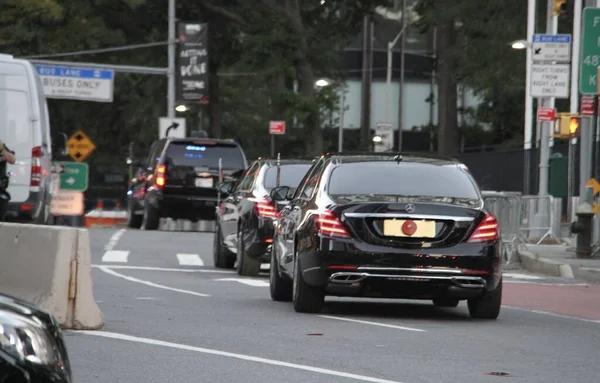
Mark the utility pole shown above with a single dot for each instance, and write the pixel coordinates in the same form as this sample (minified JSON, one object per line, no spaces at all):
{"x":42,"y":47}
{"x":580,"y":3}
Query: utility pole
{"x":586,"y":139}
{"x":367,"y":79}
{"x":171,"y":67}
{"x":402,"y":67}
{"x":531,"y":7}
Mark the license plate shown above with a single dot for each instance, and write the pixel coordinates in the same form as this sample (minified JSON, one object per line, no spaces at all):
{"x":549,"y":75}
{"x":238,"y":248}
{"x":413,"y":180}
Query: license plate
{"x":403,"y":228}
{"x":204,"y":182}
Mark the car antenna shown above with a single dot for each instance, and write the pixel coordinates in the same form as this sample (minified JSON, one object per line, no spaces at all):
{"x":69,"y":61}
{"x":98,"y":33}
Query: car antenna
{"x":278,"y":169}
{"x":398,"y":158}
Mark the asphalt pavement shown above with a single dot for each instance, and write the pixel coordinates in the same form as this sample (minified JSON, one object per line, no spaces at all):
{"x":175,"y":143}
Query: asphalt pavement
{"x":171,"y":316}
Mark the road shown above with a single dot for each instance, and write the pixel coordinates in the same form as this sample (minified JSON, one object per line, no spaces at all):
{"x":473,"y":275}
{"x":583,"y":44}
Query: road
{"x":170,"y":316}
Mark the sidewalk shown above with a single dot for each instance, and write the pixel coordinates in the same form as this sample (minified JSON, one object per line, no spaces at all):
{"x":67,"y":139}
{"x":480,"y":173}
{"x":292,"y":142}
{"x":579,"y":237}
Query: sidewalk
{"x":559,"y":261}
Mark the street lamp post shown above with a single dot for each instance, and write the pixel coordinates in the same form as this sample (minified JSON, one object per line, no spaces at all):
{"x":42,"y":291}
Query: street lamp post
{"x":171,"y":56}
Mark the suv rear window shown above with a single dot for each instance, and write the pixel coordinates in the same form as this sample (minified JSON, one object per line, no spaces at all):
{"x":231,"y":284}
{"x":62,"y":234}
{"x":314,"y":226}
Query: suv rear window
{"x":404,"y":179}
{"x":190,"y":154}
{"x":290,"y":175}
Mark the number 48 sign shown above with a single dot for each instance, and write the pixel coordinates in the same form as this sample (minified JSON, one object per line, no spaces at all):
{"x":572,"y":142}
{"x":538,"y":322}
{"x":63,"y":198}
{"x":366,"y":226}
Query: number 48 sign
{"x":590,"y":51}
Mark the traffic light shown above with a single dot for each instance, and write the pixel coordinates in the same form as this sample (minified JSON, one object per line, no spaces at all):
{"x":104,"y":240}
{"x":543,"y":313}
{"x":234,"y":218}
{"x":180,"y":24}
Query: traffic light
{"x":560,"y":7}
{"x":567,"y":125}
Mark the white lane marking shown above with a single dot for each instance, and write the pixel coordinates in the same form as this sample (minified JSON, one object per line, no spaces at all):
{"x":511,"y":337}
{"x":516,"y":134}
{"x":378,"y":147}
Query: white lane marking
{"x":373,"y":323}
{"x":146,"y":298}
{"x":148,"y":268}
{"x":248,"y":358}
{"x":189,"y":260}
{"x":117,"y":256}
{"x":520,"y":276}
{"x":544,"y":283}
{"x":108,"y":270}
{"x":246,"y":281}
{"x":553,"y":314}
{"x":112,"y":242}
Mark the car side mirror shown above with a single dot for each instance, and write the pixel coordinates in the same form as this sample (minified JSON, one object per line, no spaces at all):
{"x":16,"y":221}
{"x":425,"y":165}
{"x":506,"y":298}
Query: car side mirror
{"x":225,"y":187}
{"x":280,"y":193}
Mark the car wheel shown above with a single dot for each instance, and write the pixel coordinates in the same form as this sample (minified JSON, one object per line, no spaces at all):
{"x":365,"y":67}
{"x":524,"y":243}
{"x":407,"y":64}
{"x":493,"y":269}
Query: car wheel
{"x":221,"y":257}
{"x":133,"y":221}
{"x":446,"y":302}
{"x":488,"y":305}
{"x":151,"y":218}
{"x":246,"y":266}
{"x":306,"y":298}
{"x":280,"y":285}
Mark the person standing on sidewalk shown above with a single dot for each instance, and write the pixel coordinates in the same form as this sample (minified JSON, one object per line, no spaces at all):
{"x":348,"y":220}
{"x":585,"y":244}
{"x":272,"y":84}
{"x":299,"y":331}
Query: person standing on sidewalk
{"x":6,"y":156}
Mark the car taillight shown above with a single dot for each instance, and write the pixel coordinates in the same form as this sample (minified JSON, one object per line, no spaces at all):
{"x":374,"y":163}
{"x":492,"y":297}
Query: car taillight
{"x":265,"y":209}
{"x":159,"y":180}
{"x":331,"y":226}
{"x":36,"y":168}
{"x":486,"y":231}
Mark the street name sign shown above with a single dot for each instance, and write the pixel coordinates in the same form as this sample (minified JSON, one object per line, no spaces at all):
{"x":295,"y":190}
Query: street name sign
{"x":590,"y":51}
{"x":77,"y":83}
{"x":550,"y":80}
{"x":80,"y":146}
{"x":551,"y":48}
{"x":74,"y":176}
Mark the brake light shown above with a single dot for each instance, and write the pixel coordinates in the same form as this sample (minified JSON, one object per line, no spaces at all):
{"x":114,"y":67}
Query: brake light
{"x":331,"y":226}
{"x":486,"y":231}
{"x":36,"y":168}
{"x":159,"y":180}
{"x":265,"y":209}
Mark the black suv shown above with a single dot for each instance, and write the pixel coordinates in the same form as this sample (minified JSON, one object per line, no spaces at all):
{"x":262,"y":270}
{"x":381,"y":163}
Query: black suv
{"x":179,"y":180}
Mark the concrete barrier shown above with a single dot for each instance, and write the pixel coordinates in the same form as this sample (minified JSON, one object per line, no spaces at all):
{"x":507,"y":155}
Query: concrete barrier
{"x":101,"y":218}
{"x":51,"y":268}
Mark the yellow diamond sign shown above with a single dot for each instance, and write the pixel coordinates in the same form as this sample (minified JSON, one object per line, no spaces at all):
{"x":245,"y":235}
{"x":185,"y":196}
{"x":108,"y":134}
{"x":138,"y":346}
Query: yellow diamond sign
{"x":80,"y":146}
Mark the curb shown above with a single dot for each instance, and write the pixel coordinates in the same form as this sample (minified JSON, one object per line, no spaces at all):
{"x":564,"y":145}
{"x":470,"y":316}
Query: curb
{"x":537,"y":264}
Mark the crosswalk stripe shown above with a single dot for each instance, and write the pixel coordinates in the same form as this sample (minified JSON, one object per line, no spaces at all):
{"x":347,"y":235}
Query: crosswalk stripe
{"x":119,"y":256}
{"x":190,"y":260}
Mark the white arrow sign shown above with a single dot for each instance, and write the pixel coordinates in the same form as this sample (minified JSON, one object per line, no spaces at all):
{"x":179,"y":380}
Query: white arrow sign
{"x":249,"y":282}
{"x":70,"y":180}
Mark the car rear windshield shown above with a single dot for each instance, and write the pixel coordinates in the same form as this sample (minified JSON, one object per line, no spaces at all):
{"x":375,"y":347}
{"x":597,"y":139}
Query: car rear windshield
{"x":290,"y":175}
{"x":190,"y":154}
{"x":404,"y":179}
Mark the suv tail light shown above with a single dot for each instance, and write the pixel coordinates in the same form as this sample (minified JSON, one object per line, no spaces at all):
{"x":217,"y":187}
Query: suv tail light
{"x":331,"y":226}
{"x":36,"y":168}
{"x":486,"y":231}
{"x":159,"y":179}
{"x":265,"y":209}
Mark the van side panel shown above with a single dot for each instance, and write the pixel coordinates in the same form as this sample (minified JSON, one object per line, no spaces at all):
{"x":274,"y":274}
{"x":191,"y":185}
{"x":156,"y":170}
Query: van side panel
{"x":16,"y":126}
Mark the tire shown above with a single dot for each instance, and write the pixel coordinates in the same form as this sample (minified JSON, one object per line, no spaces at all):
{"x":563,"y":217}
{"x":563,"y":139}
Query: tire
{"x":280,"y":285}
{"x":133,"y":221}
{"x":446,"y":302}
{"x":222,"y":258}
{"x":246,"y":266}
{"x":488,"y":305}
{"x":151,"y":219}
{"x":306,"y":298}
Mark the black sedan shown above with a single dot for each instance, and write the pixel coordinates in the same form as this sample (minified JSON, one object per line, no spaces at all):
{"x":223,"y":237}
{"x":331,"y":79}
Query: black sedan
{"x":32,"y":348}
{"x":387,"y":226}
{"x":244,"y":228}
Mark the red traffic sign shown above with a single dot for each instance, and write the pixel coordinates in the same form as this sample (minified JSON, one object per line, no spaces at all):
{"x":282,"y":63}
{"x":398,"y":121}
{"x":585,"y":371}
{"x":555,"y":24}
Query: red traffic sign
{"x":277,"y":127}
{"x":587,"y":106}
{"x":546,"y":114}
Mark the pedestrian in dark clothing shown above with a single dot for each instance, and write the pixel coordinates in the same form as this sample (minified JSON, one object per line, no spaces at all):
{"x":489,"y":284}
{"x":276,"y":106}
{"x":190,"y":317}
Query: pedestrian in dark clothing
{"x":7,"y":156}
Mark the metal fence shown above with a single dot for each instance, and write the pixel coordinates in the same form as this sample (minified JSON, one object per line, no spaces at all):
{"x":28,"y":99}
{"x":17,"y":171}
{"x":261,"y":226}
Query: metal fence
{"x":524,"y":219}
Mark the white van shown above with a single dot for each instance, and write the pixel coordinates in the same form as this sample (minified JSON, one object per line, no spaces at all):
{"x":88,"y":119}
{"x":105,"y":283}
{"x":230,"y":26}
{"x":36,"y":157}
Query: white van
{"x":25,"y":129}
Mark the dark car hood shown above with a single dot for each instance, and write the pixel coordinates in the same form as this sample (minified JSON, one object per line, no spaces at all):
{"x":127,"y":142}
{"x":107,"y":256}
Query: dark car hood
{"x":352,"y":198}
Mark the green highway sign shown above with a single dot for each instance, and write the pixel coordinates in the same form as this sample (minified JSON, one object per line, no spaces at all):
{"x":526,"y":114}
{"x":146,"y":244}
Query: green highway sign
{"x":590,"y":51}
{"x":74,"y":176}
